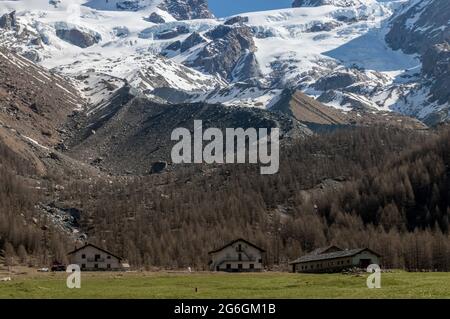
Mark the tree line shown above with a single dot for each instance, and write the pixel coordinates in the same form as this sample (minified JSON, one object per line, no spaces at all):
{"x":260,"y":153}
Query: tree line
{"x":377,"y":187}
{"x":382,"y":188}
{"x":26,"y":237}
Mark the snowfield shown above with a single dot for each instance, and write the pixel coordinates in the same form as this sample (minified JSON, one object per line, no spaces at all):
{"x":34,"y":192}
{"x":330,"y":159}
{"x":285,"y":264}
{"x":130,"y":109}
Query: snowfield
{"x":295,"y":48}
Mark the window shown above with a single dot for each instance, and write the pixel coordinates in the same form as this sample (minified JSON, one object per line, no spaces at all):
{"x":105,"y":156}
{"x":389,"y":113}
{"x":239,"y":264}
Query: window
{"x":240,"y":247}
{"x":83,"y":266}
{"x":96,"y":266}
{"x":260,"y":260}
{"x":109,"y":257}
{"x":108,"y":266}
{"x":252,"y":266}
{"x":239,"y":256}
{"x":239,"y":266}
{"x":97,"y":257}
{"x":83,"y":256}
{"x":228,"y":266}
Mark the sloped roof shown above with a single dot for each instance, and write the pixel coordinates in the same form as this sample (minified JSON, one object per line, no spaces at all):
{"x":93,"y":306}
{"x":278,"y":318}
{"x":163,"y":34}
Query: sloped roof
{"x":235,"y":241}
{"x":96,"y":247}
{"x":333,"y":255}
{"x":322,"y":250}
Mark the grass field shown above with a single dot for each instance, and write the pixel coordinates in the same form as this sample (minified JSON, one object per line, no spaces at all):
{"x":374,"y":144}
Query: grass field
{"x":222,"y":285}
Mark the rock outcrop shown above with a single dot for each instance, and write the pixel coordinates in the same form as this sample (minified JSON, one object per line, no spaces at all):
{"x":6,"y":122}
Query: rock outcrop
{"x":418,"y":27}
{"x":323,"y":26}
{"x":338,"y":80}
{"x":191,"y":41}
{"x":78,"y":37}
{"x":228,"y":49}
{"x":174,"y":46}
{"x":187,"y":9}
{"x":130,"y":5}
{"x":236,"y":20}
{"x":436,"y":65}
{"x":8,"y":21}
{"x":172,"y":33}
{"x":247,"y":68}
{"x":155,"y":18}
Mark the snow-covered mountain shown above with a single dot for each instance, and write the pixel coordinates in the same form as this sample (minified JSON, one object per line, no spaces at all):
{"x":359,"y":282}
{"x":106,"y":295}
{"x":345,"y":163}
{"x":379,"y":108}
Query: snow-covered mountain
{"x":423,"y":28}
{"x":341,"y":52}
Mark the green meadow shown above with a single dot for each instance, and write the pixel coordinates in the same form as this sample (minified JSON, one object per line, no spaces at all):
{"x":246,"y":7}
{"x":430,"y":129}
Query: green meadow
{"x":223,"y":285}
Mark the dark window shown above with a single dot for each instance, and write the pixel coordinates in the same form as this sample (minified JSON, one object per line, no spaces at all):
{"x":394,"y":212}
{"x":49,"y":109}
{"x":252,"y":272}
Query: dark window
{"x":364,"y":263}
{"x":228,"y":266}
{"x":83,"y":266}
{"x":240,"y":256}
{"x":83,"y":256}
{"x":260,"y":260}
{"x":108,"y":266}
{"x":252,"y":266}
{"x":109,"y":257}
{"x":97,"y":257}
{"x":240,"y":247}
{"x":239,"y":266}
{"x":96,"y":266}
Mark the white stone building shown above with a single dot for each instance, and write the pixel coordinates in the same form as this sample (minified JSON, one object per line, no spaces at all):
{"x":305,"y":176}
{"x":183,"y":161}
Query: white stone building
{"x":93,"y":258}
{"x":237,"y":256}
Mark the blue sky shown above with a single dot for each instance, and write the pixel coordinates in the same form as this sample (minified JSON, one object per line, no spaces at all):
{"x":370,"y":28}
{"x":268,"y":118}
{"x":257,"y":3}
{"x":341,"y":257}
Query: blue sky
{"x":223,"y":8}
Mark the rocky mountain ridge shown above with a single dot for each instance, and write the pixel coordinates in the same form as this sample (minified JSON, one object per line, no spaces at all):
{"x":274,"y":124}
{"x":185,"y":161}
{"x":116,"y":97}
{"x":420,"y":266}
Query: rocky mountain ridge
{"x":423,"y":28}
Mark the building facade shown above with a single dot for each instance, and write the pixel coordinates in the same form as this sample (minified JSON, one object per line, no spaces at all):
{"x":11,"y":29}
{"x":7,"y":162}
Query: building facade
{"x":237,"y":256}
{"x":335,"y":259}
{"x":93,"y":258}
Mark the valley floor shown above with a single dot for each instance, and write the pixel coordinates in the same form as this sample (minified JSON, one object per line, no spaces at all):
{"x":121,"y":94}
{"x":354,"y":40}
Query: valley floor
{"x":396,"y":284}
